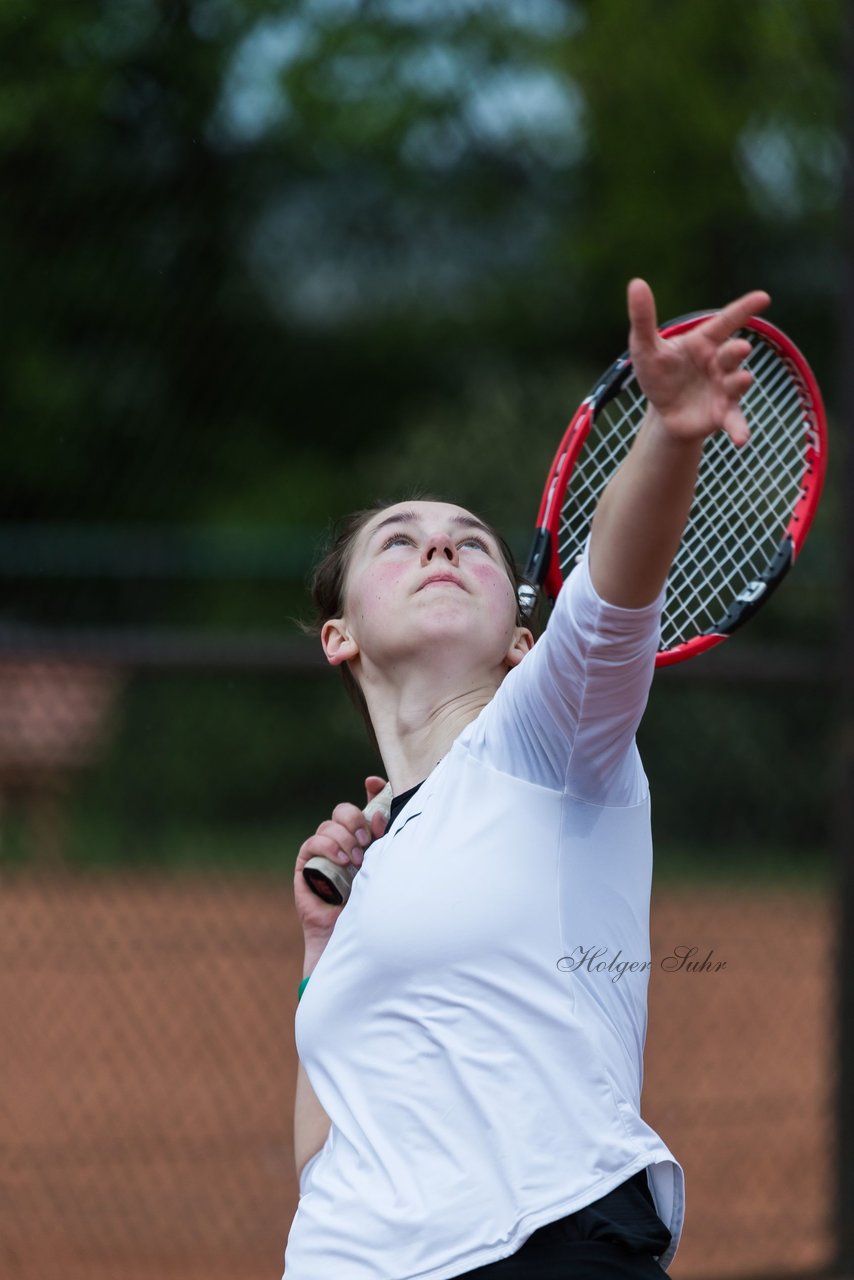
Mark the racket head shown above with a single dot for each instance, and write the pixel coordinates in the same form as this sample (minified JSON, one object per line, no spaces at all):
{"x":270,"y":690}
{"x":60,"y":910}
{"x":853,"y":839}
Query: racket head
{"x":753,"y":506}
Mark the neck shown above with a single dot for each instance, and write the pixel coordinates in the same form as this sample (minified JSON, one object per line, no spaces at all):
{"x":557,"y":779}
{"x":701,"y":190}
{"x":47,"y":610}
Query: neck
{"x":416,"y":724}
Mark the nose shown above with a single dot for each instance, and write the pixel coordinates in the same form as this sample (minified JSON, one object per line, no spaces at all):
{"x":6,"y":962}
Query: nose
{"x":439,"y":546}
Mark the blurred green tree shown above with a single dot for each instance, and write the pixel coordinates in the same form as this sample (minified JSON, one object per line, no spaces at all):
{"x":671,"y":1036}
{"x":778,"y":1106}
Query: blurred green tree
{"x":246,"y":246}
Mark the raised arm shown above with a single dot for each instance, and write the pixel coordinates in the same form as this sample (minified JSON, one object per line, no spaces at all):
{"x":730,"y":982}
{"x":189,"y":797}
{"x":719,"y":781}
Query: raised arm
{"x":567,"y":716}
{"x":693,"y":383}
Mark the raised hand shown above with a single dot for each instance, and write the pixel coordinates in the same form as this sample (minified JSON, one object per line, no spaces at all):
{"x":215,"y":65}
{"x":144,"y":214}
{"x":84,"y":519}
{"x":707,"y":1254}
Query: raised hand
{"x":693,"y":381}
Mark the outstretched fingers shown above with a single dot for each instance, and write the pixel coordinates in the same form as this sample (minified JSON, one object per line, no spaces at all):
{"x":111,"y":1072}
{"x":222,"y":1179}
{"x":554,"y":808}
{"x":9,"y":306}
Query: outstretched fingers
{"x":695,"y":379}
{"x":732,"y":353}
{"x":734,"y":385}
{"x":643,"y":323}
{"x":735,"y":425}
{"x":734,"y":382}
{"x":730,"y":318}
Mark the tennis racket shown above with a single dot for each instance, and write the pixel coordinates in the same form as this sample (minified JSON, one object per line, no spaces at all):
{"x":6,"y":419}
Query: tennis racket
{"x":752,"y":509}
{"x":332,"y":881}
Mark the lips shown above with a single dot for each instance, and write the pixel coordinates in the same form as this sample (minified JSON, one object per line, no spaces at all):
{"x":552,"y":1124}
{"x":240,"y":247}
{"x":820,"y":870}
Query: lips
{"x":441,"y":577}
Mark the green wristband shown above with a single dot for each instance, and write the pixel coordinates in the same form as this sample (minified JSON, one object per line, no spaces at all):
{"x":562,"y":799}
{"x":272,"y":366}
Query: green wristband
{"x":302,"y":987}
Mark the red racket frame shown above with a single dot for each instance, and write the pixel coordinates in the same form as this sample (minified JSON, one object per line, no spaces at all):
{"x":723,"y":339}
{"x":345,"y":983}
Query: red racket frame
{"x":543,"y":564}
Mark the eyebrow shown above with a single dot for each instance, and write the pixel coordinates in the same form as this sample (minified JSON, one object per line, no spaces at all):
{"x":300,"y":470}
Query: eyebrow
{"x":410,"y":517}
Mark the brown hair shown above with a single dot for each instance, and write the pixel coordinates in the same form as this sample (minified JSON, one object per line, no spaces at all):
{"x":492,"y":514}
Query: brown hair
{"x":329,"y":580}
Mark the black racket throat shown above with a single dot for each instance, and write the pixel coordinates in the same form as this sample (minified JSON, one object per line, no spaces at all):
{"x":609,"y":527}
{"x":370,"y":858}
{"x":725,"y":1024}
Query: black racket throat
{"x":613,"y":382}
{"x":538,"y":560}
{"x":751,"y":597}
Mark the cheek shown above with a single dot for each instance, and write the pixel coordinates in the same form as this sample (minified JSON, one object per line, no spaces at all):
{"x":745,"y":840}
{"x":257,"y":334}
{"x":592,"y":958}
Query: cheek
{"x":374,"y":589}
{"x":498,"y":590}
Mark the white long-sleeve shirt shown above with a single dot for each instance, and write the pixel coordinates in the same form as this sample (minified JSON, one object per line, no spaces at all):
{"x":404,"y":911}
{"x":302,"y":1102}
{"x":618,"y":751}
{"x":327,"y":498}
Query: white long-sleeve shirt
{"x":480,"y":1084}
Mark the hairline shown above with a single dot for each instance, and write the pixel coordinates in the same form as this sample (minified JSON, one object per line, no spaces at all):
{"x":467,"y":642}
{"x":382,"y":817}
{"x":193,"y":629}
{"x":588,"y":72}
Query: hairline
{"x":411,"y":517}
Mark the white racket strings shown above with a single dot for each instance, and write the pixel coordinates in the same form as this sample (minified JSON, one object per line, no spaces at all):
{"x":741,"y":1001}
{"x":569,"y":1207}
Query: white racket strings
{"x":743,"y":502}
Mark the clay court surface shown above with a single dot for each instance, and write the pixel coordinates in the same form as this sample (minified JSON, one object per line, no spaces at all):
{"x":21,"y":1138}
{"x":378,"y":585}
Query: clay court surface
{"x":147,"y":1074}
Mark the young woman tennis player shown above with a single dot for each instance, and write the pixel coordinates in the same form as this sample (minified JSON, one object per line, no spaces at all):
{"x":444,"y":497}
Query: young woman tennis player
{"x":468,"y":1100}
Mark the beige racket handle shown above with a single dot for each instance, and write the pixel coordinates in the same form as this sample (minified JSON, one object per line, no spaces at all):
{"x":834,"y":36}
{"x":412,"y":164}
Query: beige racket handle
{"x":332,"y":881}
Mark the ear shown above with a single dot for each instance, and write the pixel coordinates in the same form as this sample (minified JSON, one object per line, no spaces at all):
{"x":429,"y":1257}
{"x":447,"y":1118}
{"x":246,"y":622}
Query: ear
{"x":338,"y":645}
{"x":523,"y":641}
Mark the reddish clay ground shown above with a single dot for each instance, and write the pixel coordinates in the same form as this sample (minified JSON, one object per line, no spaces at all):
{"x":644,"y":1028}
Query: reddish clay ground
{"x":147,"y":1073}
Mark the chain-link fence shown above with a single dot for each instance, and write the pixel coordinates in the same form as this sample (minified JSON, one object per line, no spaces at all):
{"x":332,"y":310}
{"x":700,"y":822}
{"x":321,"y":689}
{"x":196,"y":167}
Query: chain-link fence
{"x":151,"y":956}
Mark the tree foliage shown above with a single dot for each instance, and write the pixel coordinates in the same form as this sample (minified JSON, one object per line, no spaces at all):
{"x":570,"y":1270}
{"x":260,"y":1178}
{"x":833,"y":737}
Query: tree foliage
{"x":247,"y":247}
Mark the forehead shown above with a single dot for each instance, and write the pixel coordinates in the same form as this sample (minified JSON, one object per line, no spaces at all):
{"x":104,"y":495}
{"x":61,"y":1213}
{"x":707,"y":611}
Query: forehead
{"x":431,"y":515}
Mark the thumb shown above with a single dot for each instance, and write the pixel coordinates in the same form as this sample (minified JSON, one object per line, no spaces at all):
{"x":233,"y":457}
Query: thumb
{"x":378,"y":820}
{"x":373,"y":786}
{"x":643,"y":324}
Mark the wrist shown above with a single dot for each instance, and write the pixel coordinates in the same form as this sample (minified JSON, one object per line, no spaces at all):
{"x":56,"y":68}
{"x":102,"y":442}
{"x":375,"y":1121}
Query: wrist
{"x":670,"y":437}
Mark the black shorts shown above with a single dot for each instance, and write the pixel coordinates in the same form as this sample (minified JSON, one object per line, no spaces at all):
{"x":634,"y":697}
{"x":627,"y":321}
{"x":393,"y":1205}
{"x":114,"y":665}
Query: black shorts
{"x":572,"y":1260}
{"x":615,"y":1238}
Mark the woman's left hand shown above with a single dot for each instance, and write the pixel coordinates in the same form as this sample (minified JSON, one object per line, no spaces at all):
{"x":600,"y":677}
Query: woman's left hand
{"x":693,"y":381}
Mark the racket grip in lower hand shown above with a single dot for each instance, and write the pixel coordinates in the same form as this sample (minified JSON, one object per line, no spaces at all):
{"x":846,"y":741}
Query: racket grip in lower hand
{"x":332,"y":881}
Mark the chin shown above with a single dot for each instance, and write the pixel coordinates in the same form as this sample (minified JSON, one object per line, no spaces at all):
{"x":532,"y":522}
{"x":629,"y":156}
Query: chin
{"x":476,"y":645}
{"x":446,"y":618}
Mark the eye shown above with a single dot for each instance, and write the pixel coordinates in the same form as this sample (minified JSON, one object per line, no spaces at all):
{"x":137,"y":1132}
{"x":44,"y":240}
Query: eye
{"x":395,"y":539}
{"x":474,"y":541}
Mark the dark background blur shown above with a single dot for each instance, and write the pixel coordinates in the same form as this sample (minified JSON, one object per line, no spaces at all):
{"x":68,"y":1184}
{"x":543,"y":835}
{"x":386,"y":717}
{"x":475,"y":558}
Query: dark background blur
{"x":263,"y":264}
